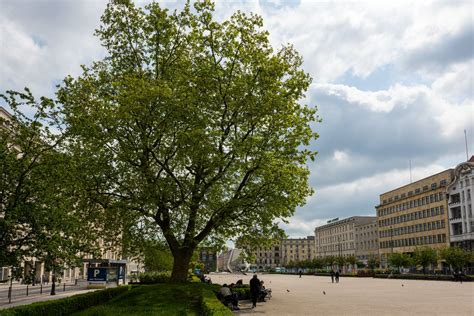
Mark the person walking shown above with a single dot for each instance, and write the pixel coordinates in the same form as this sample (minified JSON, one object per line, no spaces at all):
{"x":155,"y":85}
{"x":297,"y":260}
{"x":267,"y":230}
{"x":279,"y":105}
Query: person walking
{"x":254,"y":290}
{"x":301,"y":272}
{"x":337,"y":276}
{"x":332,"y":276}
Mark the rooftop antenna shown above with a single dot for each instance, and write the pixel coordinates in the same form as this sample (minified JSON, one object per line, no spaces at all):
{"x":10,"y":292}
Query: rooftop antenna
{"x":465,"y":140}
{"x":409,"y":161}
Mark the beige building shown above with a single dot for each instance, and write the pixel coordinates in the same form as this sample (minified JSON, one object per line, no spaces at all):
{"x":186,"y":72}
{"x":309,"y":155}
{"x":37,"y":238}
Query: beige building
{"x":286,"y":251}
{"x":366,"y":240}
{"x":414,"y":215}
{"x":338,"y":237}
{"x":268,"y":258}
{"x":297,"y":249}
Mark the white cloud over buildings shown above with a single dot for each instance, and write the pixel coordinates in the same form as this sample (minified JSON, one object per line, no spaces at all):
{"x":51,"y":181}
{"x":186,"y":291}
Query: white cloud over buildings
{"x":393,"y":81}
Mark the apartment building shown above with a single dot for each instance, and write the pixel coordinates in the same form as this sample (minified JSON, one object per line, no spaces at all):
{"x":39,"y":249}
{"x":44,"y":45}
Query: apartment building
{"x":297,"y":249}
{"x":268,"y":257}
{"x":461,"y":196}
{"x":338,"y":237}
{"x":414,"y":215}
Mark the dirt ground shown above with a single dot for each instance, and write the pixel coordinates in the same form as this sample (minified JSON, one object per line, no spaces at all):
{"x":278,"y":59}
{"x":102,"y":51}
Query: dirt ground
{"x":312,"y":295}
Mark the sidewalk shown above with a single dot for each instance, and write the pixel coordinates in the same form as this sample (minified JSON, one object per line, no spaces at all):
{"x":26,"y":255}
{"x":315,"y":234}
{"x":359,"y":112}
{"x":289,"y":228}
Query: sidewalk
{"x":40,"y":298}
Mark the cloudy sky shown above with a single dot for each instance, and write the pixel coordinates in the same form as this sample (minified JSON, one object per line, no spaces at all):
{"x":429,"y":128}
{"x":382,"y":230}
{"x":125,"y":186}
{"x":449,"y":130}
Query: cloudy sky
{"x":393,"y":82}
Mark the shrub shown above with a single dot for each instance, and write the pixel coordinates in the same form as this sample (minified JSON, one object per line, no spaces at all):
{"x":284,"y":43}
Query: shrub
{"x":154,"y":277}
{"x":438,"y":277}
{"x":210,"y":305}
{"x":365,"y":273}
{"x":68,"y":305}
{"x":242,"y":292}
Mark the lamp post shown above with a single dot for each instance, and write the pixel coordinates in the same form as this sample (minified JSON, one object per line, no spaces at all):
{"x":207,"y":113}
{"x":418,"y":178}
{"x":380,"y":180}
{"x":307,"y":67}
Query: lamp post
{"x":391,"y":239}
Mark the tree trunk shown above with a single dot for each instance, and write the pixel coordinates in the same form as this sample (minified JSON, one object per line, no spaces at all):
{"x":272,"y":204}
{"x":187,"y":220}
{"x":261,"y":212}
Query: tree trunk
{"x":181,"y":265}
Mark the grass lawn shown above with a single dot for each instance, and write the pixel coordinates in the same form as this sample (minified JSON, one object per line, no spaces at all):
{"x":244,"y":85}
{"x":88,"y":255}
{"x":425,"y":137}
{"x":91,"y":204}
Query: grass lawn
{"x":156,"y":299}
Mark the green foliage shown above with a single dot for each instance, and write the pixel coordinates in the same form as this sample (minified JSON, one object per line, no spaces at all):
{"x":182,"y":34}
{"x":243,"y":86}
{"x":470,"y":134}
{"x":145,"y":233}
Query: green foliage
{"x":162,"y":299}
{"x":373,"y":263}
{"x":242,"y":292}
{"x":456,"y":257}
{"x":352,"y":260}
{"x":329,"y":261}
{"x":399,"y":260}
{"x":439,"y":277}
{"x":210,"y":305}
{"x":41,"y":213}
{"x":157,"y":257}
{"x":154,"y":277}
{"x":191,"y":125}
{"x":67,"y":306}
{"x":340,"y":261}
{"x":425,"y":256}
{"x":318,"y":263}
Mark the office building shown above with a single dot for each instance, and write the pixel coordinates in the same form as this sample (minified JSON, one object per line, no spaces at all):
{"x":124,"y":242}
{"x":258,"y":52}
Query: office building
{"x":414,"y":215}
{"x":338,"y":237}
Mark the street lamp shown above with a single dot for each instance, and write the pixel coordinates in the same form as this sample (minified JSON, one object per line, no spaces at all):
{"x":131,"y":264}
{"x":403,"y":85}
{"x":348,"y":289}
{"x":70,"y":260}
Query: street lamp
{"x":391,"y":239}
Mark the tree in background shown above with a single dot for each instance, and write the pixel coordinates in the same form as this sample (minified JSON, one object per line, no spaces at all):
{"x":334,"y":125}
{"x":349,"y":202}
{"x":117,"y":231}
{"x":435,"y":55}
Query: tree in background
{"x":340,"y":261}
{"x":425,"y":256}
{"x":191,"y":125}
{"x":329,"y":261}
{"x":399,"y":260}
{"x":373,"y":263}
{"x":351,"y":260}
{"x":456,"y":257}
{"x":318,"y":263}
{"x":157,"y":257}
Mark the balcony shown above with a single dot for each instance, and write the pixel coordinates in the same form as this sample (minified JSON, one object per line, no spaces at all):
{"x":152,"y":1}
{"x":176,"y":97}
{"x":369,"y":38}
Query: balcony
{"x":456,"y":219}
{"x":461,"y":237}
{"x":454,"y":203}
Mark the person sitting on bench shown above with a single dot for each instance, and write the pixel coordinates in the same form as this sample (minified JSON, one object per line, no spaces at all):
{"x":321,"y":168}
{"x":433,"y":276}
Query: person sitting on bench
{"x":228,"y":296}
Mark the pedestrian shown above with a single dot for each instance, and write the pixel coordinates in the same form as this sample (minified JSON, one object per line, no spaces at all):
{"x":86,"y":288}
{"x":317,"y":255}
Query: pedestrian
{"x":332,"y":276}
{"x":337,"y":276}
{"x":254,"y":290}
{"x":301,"y":272}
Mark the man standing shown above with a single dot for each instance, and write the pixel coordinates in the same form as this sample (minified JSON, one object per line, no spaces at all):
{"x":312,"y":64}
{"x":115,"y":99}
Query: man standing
{"x":332,"y":276}
{"x":254,"y":290}
{"x":337,"y":276}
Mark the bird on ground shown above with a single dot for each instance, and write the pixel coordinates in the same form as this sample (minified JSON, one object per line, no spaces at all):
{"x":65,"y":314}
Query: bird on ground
{"x":287,"y":290}
{"x":402,"y":285}
{"x":324,"y":293}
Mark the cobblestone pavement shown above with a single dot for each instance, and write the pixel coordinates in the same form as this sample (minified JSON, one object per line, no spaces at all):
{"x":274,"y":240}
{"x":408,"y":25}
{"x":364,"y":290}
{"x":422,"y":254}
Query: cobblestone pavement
{"x":312,"y":295}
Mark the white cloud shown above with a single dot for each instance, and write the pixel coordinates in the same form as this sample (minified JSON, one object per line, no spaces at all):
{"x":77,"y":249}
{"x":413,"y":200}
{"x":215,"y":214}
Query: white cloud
{"x":367,"y":137}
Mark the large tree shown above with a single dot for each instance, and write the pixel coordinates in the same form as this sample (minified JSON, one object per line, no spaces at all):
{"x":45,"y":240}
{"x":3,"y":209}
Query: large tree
{"x":425,"y":256}
{"x":399,"y":260}
{"x":456,"y":257}
{"x":192,"y":124}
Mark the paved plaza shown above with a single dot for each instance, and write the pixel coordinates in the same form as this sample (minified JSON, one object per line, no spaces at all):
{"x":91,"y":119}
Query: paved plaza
{"x":357,"y":296}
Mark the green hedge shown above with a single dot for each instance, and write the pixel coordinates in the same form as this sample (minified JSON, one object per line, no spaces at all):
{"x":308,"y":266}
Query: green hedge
{"x":242,"y":292}
{"x":68,"y":305}
{"x":434,"y":277}
{"x":210,"y":305}
{"x":154,"y":277}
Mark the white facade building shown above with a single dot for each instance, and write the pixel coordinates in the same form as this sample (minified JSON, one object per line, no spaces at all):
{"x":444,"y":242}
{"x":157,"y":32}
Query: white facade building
{"x":461,"y":197}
